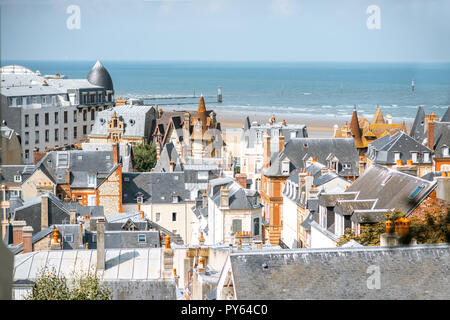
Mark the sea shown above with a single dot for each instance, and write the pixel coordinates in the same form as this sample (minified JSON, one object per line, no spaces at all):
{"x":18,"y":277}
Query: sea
{"x":300,"y":89}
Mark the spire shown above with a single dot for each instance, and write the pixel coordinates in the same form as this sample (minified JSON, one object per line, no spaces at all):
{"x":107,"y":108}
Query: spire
{"x":201,"y":105}
{"x":378,"y":117}
{"x":418,"y":128}
{"x":355,"y":130}
{"x":446,"y":116}
{"x":201,"y":112}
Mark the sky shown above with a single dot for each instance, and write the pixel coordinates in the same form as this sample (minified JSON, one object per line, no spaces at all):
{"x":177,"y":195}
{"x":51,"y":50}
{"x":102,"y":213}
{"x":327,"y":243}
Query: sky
{"x":226,"y":30}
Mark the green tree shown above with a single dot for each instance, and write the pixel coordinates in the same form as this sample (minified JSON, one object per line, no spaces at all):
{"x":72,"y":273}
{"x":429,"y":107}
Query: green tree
{"x":144,"y":157}
{"x":83,"y":286}
{"x":431,"y":228}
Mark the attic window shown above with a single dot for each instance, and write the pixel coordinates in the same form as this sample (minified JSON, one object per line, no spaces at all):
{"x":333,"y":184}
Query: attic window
{"x":285,"y":167}
{"x":415,"y":192}
{"x":445,"y":151}
{"x":175,"y":177}
{"x":17,"y":178}
{"x":142,"y":238}
{"x":175,"y":199}
{"x":68,"y":238}
{"x":80,"y":157}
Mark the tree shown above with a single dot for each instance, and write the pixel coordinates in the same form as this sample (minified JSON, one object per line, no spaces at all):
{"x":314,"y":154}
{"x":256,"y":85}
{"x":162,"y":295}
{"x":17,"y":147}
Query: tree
{"x":83,"y":286}
{"x":430,"y":228}
{"x":144,"y":157}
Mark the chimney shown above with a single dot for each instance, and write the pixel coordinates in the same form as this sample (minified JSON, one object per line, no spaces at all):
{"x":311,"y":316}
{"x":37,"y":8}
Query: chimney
{"x":160,"y":112}
{"x":430,"y":132}
{"x":301,"y":181}
{"x":172,"y":166}
{"x":242,"y":180}
{"x":308,"y":185}
{"x":27,"y":239}
{"x":73,"y":215}
{"x":201,"y":267}
{"x":115,"y":147}
{"x":55,"y":244}
{"x":204,"y":199}
{"x":266,"y":158}
{"x":17,"y":227}
{"x":224,"y":197}
{"x":313,"y":192}
{"x":44,"y":211}
{"x":101,"y":243}
{"x":323,"y":171}
{"x":167,"y":259}
{"x":443,"y":186}
{"x":158,"y":150}
{"x":284,"y":122}
{"x":280,"y":142}
{"x":388,"y":119}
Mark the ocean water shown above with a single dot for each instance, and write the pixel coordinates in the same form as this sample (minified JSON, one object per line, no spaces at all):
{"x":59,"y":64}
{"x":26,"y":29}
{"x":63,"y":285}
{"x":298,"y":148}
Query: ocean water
{"x":325,"y":90}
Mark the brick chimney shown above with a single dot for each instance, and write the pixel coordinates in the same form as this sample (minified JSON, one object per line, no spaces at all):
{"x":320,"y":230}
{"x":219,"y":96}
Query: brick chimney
{"x":242,"y":180}
{"x":301,"y":181}
{"x":101,"y":243}
{"x":224,"y":197}
{"x":430,"y":132}
{"x":266,"y":158}
{"x":172,"y":166}
{"x":308,"y":185}
{"x":115,"y":151}
{"x":27,"y":239}
{"x":17,"y":227}
{"x":44,"y":211}
{"x":280,"y":142}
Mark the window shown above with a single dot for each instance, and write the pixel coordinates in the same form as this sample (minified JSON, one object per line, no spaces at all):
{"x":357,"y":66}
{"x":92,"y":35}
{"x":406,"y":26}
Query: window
{"x":17,"y":178}
{"x":285,"y":167}
{"x":347,"y":165}
{"x":445,"y":151}
{"x":415,"y":192}
{"x":66,"y":133}
{"x":19,"y":101}
{"x":84,"y":130}
{"x":142,"y":238}
{"x":174,"y":216}
{"x":426,"y":157}
{"x":202,"y":175}
{"x":68,"y":238}
{"x":46,"y":119}
{"x":84,"y":98}
{"x":92,"y":98}
{"x":36,"y":120}
{"x":80,"y":157}
{"x":91,"y":180}
{"x":396,"y":156}
{"x":62,"y":160}
{"x":27,"y":120}
{"x":27,"y":138}
{"x":414,"y":157}
{"x":256,"y":226}
{"x":27,"y":154}
{"x":44,"y":99}
{"x":92,"y":114}
{"x":79,"y":197}
{"x":84,"y":115}
{"x":237,"y":225}
{"x":157,"y":216}
{"x":109,"y":97}
{"x":175,"y":199}
{"x":36,"y":137}
{"x":75,"y":116}
{"x":47,"y":135}
{"x":75,"y":132}
{"x":56,"y":135}
{"x":100,"y":97}
{"x":56,"y":117}
{"x":65,"y":116}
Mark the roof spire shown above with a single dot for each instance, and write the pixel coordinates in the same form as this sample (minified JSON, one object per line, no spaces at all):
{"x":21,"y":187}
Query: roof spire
{"x":378,"y":117}
{"x":355,"y":129}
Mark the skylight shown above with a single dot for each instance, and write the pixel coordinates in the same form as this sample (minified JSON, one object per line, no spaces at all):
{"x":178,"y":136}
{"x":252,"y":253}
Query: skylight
{"x":415,"y":192}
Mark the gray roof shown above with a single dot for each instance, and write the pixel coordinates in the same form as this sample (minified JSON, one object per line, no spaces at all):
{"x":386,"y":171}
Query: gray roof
{"x":383,"y":150}
{"x":81,"y":163}
{"x":239,"y":199}
{"x":441,"y":138}
{"x":331,"y":199}
{"x":418,"y":127}
{"x":168,"y":153}
{"x":347,"y":207}
{"x":99,"y":76}
{"x":446,"y":116}
{"x":136,"y":119}
{"x":415,"y":272}
{"x":300,"y":150}
{"x":136,"y":184}
{"x":7,"y":173}
{"x":368,"y":216}
{"x":391,"y":188}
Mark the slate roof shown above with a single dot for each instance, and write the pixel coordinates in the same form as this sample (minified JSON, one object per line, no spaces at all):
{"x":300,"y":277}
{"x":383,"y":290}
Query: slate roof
{"x":446,"y":116}
{"x":299,"y":150}
{"x":7,"y":173}
{"x":134,"y":183}
{"x":136,"y":119}
{"x":81,"y":163}
{"x":390,"y":188}
{"x":168,"y":153}
{"x":441,"y":137}
{"x":414,"y":272}
{"x":383,"y":149}
{"x":418,"y":127}
{"x":239,"y":199}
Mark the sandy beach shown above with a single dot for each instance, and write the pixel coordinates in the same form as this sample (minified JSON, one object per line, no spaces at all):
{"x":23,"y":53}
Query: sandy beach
{"x":317,"y":127}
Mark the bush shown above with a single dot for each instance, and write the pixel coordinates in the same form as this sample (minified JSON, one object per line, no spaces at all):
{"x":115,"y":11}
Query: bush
{"x":144,"y":157}
{"x":83,"y":286}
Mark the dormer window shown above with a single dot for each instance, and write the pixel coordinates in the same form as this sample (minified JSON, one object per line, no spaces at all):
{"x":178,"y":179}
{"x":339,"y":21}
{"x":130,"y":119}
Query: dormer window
{"x":414,"y":157}
{"x":92,"y":180}
{"x":174,"y":199}
{"x":445,"y":151}
{"x":396,"y":156}
{"x":426,"y":157}
{"x":18,"y":178}
{"x":285,"y":167}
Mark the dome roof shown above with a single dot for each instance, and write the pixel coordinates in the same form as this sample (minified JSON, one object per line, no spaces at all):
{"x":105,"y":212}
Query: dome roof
{"x":99,"y":76}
